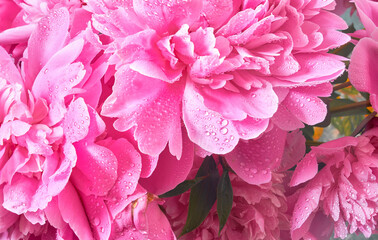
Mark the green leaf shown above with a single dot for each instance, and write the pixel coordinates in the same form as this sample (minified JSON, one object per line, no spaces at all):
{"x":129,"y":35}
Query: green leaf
{"x":308,"y":132}
{"x":182,"y":187}
{"x":202,"y":196}
{"x":224,"y":199}
{"x":347,"y":124}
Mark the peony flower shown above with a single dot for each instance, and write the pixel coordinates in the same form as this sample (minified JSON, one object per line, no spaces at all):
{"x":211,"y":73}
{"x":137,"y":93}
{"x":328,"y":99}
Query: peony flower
{"x":48,"y":132}
{"x":258,"y":212}
{"x":343,"y":191}
{"x":142,"y":219}
{"x":19,"y":19}
{"x":368,"y":13}
{"x":258,"y":209}
{"x":225,"y":68}
{"x":363,"y":61}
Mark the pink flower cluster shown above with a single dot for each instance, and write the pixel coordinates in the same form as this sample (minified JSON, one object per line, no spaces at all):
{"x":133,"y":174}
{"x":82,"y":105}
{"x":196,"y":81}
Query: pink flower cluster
{"x":344,"y":190}
{"x":106,"y":104}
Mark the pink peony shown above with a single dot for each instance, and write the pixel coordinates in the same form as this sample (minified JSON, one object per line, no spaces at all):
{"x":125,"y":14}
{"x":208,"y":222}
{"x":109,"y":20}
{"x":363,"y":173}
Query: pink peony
{"x":258,"y":212}
{"x":19,"y":18}
{"x":225,"y":68}
{"x":362,"y":70}
{"x":344,"y":190}
{"x":259,"y":209}
{"x":368,"y":13}
{"x":48,"y":132}
{"x":142,"y":219}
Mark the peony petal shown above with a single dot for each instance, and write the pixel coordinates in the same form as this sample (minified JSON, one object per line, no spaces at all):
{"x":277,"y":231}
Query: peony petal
{"x":295,"y":149}
{"x":205,"y":127}
{"x":18,"y":34}
{"x":76,"y":121}
{"x":170,"y":171}
{"x":129,"y":168}
{"x":47,"y":86}
{"x":305,"y":105}
{"x":219,"y":11}
{"x":53,"y":214}
{"x":158,"y":224}
{"x":257,"y":102}
{"x":305,"y":170}
{"x":286,"y":120}
{"x":49,"y":36}
{"x":316,"y":66}
{"x":307,"y":202}
{"x":73,"y":213}
{"x":98,"y":214}
{"x":95,"y":169}
{"x":368,"y":13}
{"x":8,"y":70}
{"x":19,"y":193}
{"x":7,"y":218}
{"x":18,"y":159}
{"x":250,"y":128}
{"x":254,"y":160}
{"x":167,"y":15}
{"x":363,"y":70}
{"x":156,"y":113}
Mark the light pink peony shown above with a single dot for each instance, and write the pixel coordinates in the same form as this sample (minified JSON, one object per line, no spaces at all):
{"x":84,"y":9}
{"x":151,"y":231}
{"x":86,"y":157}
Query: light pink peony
{"x":344,"y":191}
{"x":225,"y":68}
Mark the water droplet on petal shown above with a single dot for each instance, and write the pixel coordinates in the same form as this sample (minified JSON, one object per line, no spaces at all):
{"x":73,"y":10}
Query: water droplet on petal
{"x":224,"y":123}
{"x":96,"y":221}
{"x":224,"y":131}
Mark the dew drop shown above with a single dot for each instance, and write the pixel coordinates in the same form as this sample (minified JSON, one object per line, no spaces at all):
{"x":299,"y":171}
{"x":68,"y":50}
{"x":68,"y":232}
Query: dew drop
{"x":96,"y":221}
{"x":224,"y":123}
{"x":224,"y":131}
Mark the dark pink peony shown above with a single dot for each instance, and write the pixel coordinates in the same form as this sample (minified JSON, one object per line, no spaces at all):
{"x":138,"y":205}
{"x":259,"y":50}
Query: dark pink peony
{"x":226,"y":69}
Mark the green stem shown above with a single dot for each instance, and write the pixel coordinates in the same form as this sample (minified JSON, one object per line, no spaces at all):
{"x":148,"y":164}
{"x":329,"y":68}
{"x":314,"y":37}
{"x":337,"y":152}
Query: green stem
{"x":363,"y":123}
{"x":341,"y":86}
{"x":313,"y":143}
{"x":350,"y":106}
